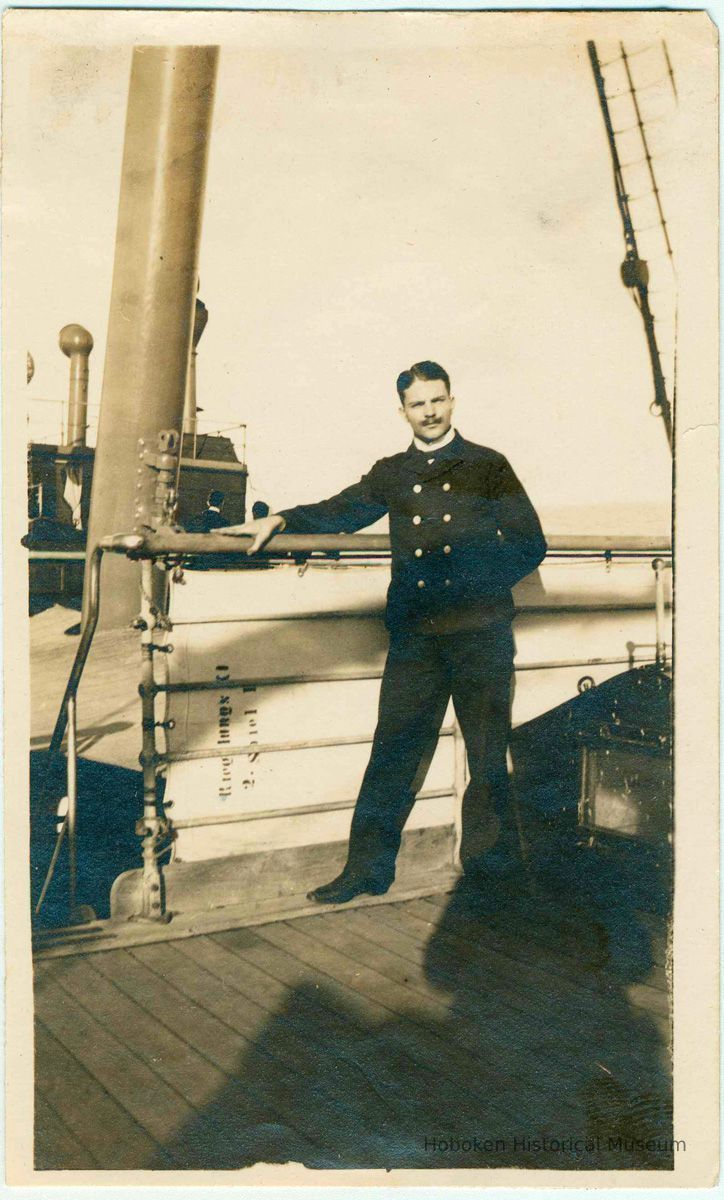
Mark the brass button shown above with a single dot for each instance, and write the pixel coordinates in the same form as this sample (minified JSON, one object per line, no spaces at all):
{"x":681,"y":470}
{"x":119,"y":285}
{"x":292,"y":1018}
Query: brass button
{"x":446,"y":487}
{"x":447,"y":549}
{"x":417,"y":487}
{"x":447,"y":583}
{"x":421,"y":583}
{"x":447,"y":517}
{"x":418,"y":553}
{"x":416,"y":520}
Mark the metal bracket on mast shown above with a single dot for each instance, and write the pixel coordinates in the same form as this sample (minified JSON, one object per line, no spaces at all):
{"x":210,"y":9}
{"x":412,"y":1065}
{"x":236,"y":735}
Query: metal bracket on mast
{"x":157,"y":506}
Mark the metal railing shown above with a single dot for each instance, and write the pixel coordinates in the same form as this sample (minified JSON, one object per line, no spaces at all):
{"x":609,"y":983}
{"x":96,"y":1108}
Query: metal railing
{"x":66,"y":720}
{"x":174,"y":546}
{"x":170,"y":541}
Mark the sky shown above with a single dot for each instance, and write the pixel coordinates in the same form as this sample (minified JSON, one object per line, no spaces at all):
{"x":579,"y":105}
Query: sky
{"x":384,"y":188}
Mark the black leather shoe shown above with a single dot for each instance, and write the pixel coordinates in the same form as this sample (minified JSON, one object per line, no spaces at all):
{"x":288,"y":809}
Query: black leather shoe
{"x":345,"y":887}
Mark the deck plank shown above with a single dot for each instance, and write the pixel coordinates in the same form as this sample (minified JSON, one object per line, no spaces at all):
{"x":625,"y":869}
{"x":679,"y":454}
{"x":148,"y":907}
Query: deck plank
{"x":521,"y":970}
{"x":533,"y":952}
{"x":412,"y":1055}
{"x":121,"y":933}
{"x":186,"y":1071}
{"x":569,"y":1027}
{"x":340,"y":1017}
{"x":542,"y":943}
{"x":557,"y":1029}
{"x":281,"y":1061}
{"x":56,"y":1147}
{"x":402,"y":960}
{"x":215,"y":1041}
{"x":152,"y":1103}
{"x":97,"y":1120}
{"x":482,"y":1024}
{"x":315,"y":1048}
{"x":544,"y":938}
{"x":108,"y":709}
{"x":518,"y":974}
{"x":342,"y":1039}
{"x":650,"y":993}
{"x":502,"y":1004}
{"x":422,"y":1023}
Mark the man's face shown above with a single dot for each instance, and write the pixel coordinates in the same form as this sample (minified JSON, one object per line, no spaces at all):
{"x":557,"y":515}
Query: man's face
{"x":427,"y":407}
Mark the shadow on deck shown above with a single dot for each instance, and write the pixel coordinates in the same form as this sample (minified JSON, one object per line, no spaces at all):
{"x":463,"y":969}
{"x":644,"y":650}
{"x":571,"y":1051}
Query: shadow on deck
{"x":444,"y":1032}
{"x":112,"y":797}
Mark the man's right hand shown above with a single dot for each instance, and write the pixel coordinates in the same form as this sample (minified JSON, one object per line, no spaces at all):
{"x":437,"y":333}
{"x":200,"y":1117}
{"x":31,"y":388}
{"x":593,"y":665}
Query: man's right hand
{"x":261,"y":530}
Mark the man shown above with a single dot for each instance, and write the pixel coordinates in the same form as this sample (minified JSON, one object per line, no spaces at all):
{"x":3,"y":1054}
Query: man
{"x":462,"y":533}
{"x":211,"y":518}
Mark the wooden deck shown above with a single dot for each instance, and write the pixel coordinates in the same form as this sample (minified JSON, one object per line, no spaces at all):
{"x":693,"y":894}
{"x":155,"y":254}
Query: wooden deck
{"x":368,"y":1037}
{"x":108,"y":705}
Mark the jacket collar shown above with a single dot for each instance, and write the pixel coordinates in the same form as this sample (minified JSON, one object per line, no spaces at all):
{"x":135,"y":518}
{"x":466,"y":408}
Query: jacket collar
{"x":432,"y":452}
{"x":432,"y":448}
{"x":418,"y":461}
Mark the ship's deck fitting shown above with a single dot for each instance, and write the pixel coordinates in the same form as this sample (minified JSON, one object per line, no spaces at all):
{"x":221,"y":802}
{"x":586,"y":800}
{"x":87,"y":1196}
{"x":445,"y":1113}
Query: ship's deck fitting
{"x":365,"y":1037}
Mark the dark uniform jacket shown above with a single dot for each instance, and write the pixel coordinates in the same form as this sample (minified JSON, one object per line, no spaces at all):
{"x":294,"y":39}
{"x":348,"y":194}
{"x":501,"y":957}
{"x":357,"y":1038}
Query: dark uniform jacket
{"x":462,"y":533}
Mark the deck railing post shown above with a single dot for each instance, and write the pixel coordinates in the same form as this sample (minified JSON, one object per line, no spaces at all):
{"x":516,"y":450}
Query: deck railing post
{"x":659,"y":566}
{"x":68,"y":710}
{"x":152,"y":826}
{"x":72,"y":764}
{"x":157,"y":473}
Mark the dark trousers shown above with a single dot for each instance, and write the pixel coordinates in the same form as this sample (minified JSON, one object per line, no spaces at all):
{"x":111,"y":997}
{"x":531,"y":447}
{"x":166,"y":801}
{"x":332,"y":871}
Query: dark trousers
{"x":422,"y":672}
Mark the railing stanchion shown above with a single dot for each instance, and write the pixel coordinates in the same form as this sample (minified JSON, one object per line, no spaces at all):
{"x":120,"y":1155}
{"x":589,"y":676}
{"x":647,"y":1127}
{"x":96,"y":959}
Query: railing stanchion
{"x":72,"y":811}
{"x":152,"y":827}
{"x":659,"y":565}
{"x":71,"y":690}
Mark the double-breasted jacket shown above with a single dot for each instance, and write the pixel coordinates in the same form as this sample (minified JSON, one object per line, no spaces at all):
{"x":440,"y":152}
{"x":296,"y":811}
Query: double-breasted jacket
{"x":462,"y":533}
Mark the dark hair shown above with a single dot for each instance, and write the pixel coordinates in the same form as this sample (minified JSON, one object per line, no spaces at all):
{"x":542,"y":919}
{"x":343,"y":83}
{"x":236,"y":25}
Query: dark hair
{"x":259,"y":508}
{"x":215,"y":498}
{"x":421,"y":370}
